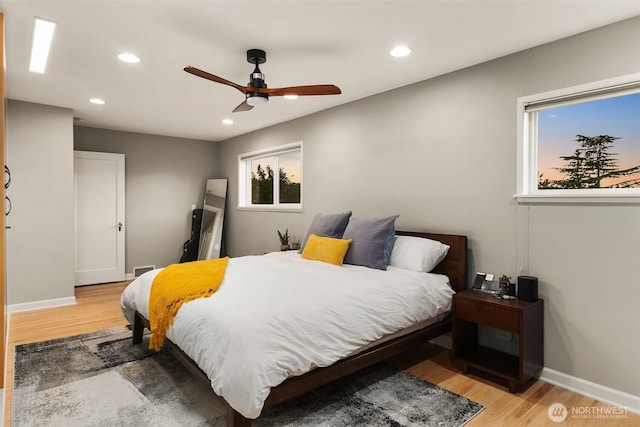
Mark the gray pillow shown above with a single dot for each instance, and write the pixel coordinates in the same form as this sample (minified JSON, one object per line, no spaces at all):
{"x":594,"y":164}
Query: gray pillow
{"x":327,"y":225}
{"x":369,"y":239}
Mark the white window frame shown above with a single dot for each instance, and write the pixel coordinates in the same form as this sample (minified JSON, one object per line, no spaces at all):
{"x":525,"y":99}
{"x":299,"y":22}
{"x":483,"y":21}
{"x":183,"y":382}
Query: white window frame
{"x":527,"y":150}
{"x":244,"y":179}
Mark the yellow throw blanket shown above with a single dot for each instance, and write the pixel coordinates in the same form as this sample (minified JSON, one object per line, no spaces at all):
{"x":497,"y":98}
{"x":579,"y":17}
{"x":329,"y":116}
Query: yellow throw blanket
{"x":176,"y":285}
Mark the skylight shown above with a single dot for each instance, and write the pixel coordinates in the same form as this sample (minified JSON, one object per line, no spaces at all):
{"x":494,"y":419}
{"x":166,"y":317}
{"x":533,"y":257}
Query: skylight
{"x":42,"y":36}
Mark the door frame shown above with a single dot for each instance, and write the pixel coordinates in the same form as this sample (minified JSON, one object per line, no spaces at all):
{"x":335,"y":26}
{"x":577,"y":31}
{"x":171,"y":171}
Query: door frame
{"x":80,"y":278}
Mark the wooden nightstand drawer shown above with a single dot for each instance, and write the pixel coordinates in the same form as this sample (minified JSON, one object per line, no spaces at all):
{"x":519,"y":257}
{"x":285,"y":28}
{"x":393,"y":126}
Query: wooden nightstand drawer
{"x":488,"y":315}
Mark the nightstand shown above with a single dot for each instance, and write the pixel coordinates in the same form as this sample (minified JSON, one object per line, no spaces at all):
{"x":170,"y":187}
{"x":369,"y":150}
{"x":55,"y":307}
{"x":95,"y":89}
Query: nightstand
{"x":524,"y":319}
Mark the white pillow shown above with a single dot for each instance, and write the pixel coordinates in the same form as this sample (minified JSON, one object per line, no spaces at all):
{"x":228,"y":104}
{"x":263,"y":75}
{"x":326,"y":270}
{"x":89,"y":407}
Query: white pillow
{"x":417,"y":254}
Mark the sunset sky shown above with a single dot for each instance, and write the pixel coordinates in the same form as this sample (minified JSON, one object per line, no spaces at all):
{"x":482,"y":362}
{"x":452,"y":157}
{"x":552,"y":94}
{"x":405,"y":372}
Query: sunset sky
{"x":558,"y":127}
{"x":290,"y":162}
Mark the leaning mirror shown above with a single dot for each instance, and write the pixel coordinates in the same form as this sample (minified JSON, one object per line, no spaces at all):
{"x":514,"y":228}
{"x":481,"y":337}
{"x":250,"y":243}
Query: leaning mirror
{"x":215,"y":196}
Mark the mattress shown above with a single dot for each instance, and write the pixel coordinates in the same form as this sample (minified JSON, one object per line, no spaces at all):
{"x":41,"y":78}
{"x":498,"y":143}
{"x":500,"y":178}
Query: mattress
{"x":277,"y":315}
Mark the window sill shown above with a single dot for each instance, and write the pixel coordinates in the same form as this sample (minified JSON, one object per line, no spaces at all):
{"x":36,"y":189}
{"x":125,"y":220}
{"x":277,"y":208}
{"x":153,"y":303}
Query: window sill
{"x":578,"y":199}
{"x":297,"y":209}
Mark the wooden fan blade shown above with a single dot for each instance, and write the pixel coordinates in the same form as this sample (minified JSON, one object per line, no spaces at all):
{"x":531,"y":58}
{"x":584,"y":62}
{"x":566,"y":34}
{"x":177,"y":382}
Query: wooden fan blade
{"x":302,"y":90}
{"x":201,"y":73}
{"x":243,"y":107}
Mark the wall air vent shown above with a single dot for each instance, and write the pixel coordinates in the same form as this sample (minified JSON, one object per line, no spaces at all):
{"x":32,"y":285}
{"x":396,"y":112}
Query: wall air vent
{"x":139,"y":271}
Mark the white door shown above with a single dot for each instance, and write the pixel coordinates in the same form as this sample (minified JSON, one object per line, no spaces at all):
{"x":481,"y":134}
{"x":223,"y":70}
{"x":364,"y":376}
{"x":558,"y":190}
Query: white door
{"x":99,"y":200}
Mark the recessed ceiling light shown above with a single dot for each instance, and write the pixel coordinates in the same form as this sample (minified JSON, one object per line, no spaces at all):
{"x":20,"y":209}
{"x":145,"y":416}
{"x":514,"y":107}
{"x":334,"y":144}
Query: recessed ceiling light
{"x":291,"y":97}
{"x":128,"y":57}
{"x":227,"y":122}
{"x":400,"y":51}
{"x":42,"y":36}
{"x":97,"y":101}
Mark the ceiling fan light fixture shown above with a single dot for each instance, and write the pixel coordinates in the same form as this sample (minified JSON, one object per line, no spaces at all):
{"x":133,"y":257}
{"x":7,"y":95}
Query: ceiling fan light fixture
{"x":293,"y":96}
{"x":255,"y":99}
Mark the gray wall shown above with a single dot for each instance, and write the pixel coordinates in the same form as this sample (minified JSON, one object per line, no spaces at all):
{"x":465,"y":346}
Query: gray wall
{"x":40,"y":242}
{"x":442,"y":154}
{"x":164,"y":177}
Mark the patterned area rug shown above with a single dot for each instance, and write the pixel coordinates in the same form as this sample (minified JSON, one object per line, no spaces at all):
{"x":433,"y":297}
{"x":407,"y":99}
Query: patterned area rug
{"x":101,"y":379}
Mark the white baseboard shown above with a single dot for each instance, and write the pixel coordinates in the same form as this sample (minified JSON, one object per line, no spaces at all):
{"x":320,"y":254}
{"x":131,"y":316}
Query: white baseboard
{"x":599,"y":392}
{"x":590,"y":389}
{"x":2,"y":393}
{"x":39,"y":305}
{"x":129,"y":276}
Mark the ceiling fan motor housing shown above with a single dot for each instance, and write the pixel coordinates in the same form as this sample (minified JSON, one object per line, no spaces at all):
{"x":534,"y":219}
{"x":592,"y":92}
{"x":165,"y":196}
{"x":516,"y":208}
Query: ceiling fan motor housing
{"x":256,"y":78}
{"x":257,"y":81}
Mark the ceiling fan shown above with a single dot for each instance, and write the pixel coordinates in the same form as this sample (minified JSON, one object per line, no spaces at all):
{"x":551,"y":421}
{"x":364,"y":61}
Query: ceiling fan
{"x":256,"y":91}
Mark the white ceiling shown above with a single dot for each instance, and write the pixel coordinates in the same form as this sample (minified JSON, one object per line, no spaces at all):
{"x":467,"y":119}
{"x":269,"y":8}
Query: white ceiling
{"x":345,"y":43}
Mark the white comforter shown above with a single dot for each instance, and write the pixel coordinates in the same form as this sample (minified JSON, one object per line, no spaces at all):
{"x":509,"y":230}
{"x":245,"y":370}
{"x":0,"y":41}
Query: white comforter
{"x":278,"y":315}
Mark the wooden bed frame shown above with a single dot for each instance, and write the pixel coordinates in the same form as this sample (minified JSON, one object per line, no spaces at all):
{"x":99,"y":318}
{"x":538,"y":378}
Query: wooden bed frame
{"x":454,"y":266}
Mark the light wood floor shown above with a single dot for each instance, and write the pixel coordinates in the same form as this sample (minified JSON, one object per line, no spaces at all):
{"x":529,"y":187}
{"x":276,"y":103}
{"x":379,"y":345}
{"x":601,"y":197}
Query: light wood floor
{"x":98,"y":307}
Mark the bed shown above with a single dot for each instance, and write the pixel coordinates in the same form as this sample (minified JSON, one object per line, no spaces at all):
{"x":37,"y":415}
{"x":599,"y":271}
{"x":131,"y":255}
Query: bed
{"x":295,"y":373}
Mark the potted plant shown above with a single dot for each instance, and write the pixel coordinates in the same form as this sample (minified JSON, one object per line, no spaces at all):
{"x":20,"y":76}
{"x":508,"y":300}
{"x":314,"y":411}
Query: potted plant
{"x":284,"y":239}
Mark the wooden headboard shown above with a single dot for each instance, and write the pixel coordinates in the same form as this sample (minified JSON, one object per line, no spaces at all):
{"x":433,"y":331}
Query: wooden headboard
{"x":455,"y":264}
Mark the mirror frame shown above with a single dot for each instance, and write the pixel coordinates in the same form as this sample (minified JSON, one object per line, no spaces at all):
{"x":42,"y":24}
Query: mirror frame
{"x":214,"y":204}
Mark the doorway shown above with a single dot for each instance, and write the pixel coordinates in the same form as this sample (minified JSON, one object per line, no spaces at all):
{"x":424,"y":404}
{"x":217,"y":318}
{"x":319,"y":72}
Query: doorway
{"x":99,"y":217}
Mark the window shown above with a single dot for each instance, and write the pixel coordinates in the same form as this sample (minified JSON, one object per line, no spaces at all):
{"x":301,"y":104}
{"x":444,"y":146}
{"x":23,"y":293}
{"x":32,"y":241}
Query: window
{"x":271,"y":179}
{"x":581,"y":143}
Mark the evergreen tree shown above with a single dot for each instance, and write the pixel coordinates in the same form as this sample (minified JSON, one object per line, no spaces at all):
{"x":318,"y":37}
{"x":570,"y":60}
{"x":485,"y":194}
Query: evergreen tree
{"x":575,"y":169}
{"x":289,"y":190}
{"x":262,"y":187}
{"x":590,"y":164}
